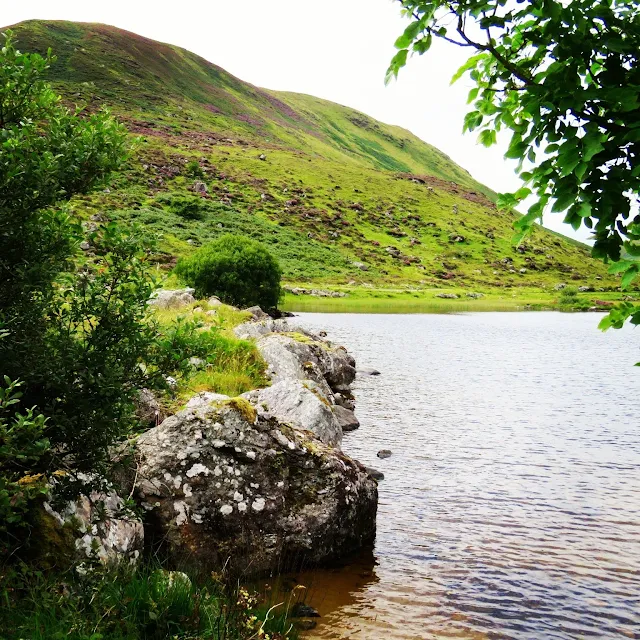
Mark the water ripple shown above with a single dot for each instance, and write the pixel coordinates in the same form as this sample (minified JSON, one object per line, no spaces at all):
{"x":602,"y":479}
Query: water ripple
{"x":511,"y":504}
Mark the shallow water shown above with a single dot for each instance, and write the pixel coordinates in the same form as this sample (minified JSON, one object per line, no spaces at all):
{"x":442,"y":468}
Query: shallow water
{"x":511,"y":504}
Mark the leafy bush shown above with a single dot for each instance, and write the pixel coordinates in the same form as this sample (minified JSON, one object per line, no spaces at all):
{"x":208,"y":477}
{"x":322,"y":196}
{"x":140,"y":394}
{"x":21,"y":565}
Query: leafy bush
{"x":185,"y":206}
{"x":237,"y":269}
{"x":22,"y":443}
{"x":569,"y":296}
{"x":193,"y":169}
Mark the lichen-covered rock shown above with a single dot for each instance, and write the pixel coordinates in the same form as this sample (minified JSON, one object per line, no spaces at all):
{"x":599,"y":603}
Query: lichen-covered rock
{"x":93,"y":527}
{"x":302,"y":404}
{"x":262,"y":327}
{"x":172,"y":299}
{"x":232,"y":486}
{"x":203,"y":400}
{"x":290,"y":359}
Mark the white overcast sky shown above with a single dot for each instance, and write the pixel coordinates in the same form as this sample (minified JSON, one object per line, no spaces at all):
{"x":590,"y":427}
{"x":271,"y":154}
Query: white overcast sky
{"x":334,"y":49}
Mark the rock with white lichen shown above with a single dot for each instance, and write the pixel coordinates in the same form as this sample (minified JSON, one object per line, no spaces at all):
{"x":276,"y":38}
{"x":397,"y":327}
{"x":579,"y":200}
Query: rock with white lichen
{"x":95,"y":527}
{"x":298,"y":356}
{"x":172,"y":299}
{"x":230,"y":484}
{"x":303,"y":404}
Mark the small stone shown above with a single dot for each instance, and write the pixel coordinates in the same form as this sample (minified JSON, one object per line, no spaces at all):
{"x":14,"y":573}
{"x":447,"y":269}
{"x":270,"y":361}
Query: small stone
{"x":301,"y":610}
{"x":368,"y":372}
{"x":384,"y":453}
{"x":306,"y":625}
{"x":375,"y":474}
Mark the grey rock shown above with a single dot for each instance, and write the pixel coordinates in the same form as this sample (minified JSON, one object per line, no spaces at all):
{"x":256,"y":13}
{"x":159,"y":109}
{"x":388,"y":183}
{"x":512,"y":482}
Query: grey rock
{"x":257,"y":313}
{"x":302,"y":404}
{"x":232,"y":487}
{"x":199,"y":187}
{"x":560,"y":286}
{"x":202,"y":402}
{"x":346,"y":418}
{"x":375,"y":474}
{"x":99,"y":530}
{"x":447,"y":296}
{"x":384,"y":453}
{"x":214,"y":301}
{"x":368,"y":372}
{"x":172,"y":299}
{"x":475,"y":296}
{"x":148,"y":409}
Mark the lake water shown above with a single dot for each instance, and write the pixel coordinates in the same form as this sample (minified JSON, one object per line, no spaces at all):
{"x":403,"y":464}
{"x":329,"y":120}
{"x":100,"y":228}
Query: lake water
{"x":511,"y":504}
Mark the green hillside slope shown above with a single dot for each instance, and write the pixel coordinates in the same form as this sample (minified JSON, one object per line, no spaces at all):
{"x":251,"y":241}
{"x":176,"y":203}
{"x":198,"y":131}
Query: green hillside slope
{"x":340,"y":198}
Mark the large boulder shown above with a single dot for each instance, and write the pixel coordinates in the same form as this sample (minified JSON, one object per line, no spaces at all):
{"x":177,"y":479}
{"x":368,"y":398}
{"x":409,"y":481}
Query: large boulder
{"x":303,"y":404}
{"x":172,"y":299}
{"x":233,"y":486}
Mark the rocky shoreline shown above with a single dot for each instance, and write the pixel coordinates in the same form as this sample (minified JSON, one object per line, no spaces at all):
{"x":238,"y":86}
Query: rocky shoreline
{"x":255,"y":484}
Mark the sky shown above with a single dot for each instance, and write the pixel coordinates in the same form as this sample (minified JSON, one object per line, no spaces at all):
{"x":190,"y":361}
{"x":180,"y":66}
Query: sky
{"x":338,"y":50}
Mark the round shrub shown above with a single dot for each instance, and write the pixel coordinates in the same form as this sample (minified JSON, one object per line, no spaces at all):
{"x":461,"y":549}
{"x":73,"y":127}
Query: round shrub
{"x":238,"y":270}
{"x":185,"y":206}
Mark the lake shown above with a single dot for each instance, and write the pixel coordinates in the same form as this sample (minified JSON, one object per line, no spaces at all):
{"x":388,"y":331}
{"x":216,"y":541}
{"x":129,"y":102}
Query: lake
{"x":511,"y":504}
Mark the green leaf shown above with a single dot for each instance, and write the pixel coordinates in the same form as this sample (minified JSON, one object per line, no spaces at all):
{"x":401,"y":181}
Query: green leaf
{"x":629,"y":276}
{"x":471,"y":63}
{"x":487,"y":137}
{"x":522,"y":193}
{"x":409,"y":35}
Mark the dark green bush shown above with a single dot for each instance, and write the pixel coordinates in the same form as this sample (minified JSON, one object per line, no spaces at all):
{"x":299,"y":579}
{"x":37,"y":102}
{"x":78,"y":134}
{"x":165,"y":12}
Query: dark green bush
{"x":185,"y":206}
{"x":237,"y":269}
{"x":193,"y":169}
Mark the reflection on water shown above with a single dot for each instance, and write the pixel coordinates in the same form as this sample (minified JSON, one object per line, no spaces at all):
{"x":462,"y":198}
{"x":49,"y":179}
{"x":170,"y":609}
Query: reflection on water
{"x":511,"y":504}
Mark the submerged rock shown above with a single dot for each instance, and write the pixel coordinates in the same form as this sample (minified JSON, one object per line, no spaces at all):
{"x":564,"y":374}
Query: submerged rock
{"x":384,"y":453}
{"x":229,"y":485}
{"x":368,"y":372}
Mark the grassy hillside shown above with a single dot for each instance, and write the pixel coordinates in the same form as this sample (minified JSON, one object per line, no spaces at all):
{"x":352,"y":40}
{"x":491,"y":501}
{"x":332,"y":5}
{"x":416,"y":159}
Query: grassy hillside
{"x":341,"y":199}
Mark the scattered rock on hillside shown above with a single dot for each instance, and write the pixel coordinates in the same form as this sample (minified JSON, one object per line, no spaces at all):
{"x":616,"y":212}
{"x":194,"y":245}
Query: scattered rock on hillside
{"x":214,"y":301}
{"x":447,"y":296}
{"x":560,"y":286}
{"x":172,"y":299}
{"x":232,"y":486}
{"x":475,"y":296}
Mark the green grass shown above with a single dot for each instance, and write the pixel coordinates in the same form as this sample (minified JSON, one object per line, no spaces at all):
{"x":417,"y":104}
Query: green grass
{"x":336,"y":187}
{"x":232,"y":366}
{"x":143,"y":603}
{"x":426,"y":301}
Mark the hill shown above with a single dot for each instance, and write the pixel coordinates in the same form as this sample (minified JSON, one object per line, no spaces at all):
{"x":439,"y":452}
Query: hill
{"x":340,"y":198}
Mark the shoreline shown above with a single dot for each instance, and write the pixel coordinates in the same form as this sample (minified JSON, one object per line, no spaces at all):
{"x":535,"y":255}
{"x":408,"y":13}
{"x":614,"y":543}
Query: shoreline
{"x":401,"y":302}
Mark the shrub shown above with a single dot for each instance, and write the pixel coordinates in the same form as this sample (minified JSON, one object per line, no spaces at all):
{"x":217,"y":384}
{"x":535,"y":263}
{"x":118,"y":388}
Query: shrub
{"x":569,"y":296}
{"x":237,"y":269}
{"x":187,"y":207}
{"x":193,"y":169}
